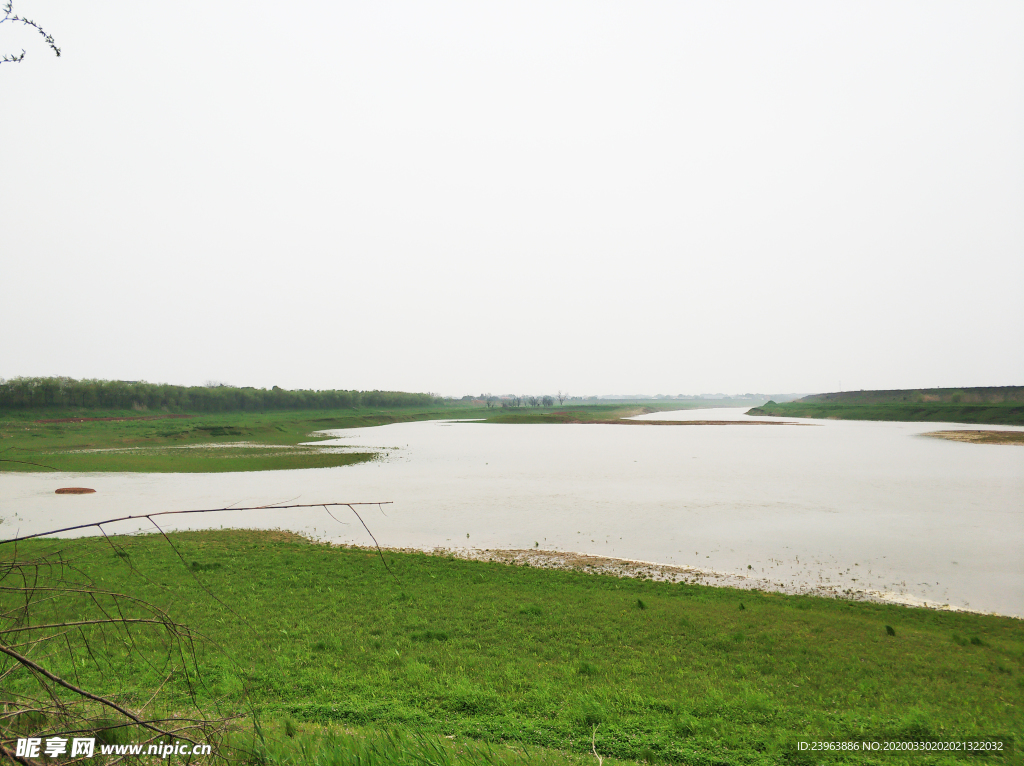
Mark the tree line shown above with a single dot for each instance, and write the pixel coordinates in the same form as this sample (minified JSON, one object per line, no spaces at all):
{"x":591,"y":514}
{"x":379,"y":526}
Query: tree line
{"x":37,"y":393}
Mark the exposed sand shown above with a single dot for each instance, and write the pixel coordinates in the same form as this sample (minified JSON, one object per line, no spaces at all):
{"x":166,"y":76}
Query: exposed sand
{"x":699,"y":422}
{"x":665,"y":573}
{"x":981,"y":437}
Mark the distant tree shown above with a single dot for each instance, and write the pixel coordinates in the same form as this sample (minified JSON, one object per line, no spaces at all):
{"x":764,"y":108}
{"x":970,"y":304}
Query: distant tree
{"x":533,"y":401}
{"x":547,"y":401}
{"x":10,"y":15}
{"x":34,"y":393}
{"x":562,"y":396}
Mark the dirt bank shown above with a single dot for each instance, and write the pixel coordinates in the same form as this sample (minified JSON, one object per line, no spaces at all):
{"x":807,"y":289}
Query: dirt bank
{"x":981,"y":437}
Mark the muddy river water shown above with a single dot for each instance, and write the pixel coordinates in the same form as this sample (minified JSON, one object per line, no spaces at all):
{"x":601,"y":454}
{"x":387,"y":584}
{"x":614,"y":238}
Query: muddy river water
{"x":865,"y":507}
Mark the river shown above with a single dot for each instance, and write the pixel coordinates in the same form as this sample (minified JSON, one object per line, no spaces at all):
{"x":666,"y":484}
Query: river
{"x":868,"y":507}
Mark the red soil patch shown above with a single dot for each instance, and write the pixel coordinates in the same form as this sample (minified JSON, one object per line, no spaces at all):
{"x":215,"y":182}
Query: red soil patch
{"x":73,"y":491}
{"x":86,"y":420}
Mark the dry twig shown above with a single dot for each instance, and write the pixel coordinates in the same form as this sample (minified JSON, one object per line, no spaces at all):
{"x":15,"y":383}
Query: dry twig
{"x":54,"y":622}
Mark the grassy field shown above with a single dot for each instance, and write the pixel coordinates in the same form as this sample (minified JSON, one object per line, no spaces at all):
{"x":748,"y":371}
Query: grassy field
{"x":323,"y":641}
{"x":69,"y":440}
{"x":996,"y":406}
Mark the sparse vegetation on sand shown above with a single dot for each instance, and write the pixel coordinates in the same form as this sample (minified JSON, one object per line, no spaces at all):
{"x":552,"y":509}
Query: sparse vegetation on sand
{"x":997,"y":406}
{"x":981,"y":437}
{"x":325,"y":638}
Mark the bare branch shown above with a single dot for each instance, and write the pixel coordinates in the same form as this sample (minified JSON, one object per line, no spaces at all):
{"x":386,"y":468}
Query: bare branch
{"x":84,"y":693}
{"x":9,"y":15}
{"x":44,"y":642}
{"x":173,"y":513}
{"x":379,"y":552}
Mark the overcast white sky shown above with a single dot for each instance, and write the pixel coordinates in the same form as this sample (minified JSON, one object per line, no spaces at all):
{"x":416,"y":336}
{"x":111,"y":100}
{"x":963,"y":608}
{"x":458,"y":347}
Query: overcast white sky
{"x":465,"y":197}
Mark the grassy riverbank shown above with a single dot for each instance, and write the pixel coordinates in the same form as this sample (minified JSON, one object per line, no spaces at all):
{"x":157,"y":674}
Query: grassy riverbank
{"x":185,"y":443}
{"x":125,"y":440}
{"x":996,"y":406}
{"x":671,"y":673}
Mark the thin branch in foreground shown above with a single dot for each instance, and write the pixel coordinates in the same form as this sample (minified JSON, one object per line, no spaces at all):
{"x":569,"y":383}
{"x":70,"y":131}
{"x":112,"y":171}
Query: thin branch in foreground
{"x":204,"y":510}
{"x":379,"y":552}
{"x":10,"y":15}
{"x":198,"y":581}
{"x":43,"y":639}
{"x":26,"y":662}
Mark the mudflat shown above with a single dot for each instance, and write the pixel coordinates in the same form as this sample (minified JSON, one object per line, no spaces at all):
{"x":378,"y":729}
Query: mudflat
{"x":981,"y":437}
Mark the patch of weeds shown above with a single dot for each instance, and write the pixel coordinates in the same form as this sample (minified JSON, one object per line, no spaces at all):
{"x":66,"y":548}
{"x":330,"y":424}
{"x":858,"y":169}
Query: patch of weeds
{"x":32,"y":720}
{"x":110,"y":732}
{"x":890,"y":630}
{"x":587,"y":669}
{"x":685,"y":725}
{"x":290,"y":728}
{"x":976,"y":641}
{"x":960,"y":640}
{"x":640,"y":604}
{"x":429,"y":635}
{"x":915,"y":726}
{"x":533,"y":610}
{"x":590,"y":713}
{"x":199,"y":567}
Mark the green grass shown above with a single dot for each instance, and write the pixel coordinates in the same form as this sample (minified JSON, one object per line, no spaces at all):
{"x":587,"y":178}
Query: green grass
{"x":158,"y":445}
{"x":996,"y":405}
{"x":287,"y":743}
{"x":979,"y":395}
{"x":144,"y":444}
{"x":1010,"y":413}
{"x":673,"y":673}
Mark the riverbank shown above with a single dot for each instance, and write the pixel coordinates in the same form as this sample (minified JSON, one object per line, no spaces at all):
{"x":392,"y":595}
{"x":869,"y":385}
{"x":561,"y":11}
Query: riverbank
{"x":672,"y":672}
{"x":980,"y":437}
{"x":125,"y":441}
{"x":1011,"y":413}
{"x":648,"y":570}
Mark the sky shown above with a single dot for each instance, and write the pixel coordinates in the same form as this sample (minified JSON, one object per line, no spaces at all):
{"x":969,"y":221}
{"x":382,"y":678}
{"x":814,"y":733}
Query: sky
{"x":466,"y":197}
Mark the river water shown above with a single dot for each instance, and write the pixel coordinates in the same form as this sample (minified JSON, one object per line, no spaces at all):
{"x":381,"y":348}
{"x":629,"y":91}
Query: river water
{"x":842,"y":505}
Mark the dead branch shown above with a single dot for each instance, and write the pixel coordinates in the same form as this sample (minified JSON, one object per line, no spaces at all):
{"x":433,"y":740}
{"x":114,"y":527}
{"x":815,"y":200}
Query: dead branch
{"x":7,"y":58}
{"x":44,"y":642}
{"x":204,"y":510}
